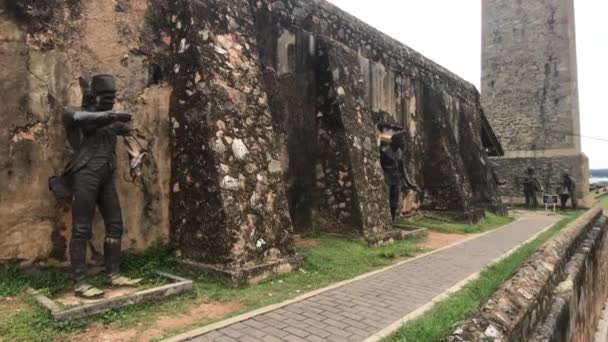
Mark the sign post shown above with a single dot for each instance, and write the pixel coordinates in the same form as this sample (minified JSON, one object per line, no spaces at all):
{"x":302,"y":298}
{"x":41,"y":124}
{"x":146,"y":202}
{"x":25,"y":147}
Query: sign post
{"x":550,"y":199}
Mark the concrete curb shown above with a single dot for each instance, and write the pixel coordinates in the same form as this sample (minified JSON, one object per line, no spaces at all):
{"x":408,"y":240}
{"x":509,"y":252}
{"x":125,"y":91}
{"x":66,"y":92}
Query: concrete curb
{"x":222,"y":324}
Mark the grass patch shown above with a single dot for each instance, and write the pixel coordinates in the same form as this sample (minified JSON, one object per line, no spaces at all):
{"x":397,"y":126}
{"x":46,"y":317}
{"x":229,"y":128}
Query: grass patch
{"x":491,"y":221}
{"x":438,"y":322}
{"x":604,"y":203}
{"x":330,"y":260}
{"x":13,"y":280}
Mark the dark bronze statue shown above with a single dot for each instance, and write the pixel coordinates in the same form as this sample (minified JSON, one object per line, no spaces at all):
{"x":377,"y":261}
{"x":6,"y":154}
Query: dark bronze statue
{"x":531,"y":187}
{"x":568,"y":188}
{"x":395,"y":175}
{"x":88,"y":180}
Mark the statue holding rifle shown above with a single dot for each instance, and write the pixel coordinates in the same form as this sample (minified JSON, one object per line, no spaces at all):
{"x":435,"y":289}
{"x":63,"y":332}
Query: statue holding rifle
{"x":395,"y":174}
{"x":88,"y":181}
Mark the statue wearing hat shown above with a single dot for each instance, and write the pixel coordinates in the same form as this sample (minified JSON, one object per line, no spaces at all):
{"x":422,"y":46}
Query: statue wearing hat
{"x":567,"y":191}
{"x":531,"y":187}
{"x":395,"y":174}
{"x":88,"y":179}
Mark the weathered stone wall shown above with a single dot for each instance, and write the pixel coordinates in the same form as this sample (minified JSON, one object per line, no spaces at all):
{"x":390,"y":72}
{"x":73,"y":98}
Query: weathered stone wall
{"x":292,"y":90}
{"x":228,"y":205}
{"x":260,"y":116}
{"x":529,"y":90}
{"x":346,"y":123}
{"x":529,"y":83}
{"x":440,"y":112}
{"x":577,"y":306}
{"x":44,"y":48}
{"x":556,"y":295}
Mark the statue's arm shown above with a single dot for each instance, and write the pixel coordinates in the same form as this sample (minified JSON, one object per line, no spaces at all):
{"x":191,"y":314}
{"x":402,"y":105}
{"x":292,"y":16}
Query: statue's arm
{"x":573,"y":184}
{"x":118,"y":120}
{"x":106,"y":117}
{"x":406,"y":177}
{"x":122,"y":128}
{"x":539,"y":186}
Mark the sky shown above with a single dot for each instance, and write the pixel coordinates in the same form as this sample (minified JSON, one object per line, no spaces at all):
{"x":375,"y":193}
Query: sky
{"x":449,"y":32}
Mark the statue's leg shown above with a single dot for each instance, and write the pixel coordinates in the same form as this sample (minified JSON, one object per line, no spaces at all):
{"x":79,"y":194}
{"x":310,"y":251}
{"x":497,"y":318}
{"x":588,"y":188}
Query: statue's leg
{"x":109,"y":206}
{"x":85,"y":185}
{"x":563,"y":200}
{"x":534,"y":200}
{"x":394,"y":200}
{"x":574,"y":202}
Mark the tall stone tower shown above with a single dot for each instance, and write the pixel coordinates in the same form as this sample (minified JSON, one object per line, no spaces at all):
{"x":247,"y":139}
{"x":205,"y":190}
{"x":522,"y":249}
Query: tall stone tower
{"x":529,"y":91}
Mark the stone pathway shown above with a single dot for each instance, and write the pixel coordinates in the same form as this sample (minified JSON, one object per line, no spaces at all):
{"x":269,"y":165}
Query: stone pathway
{"x":360,"y":309}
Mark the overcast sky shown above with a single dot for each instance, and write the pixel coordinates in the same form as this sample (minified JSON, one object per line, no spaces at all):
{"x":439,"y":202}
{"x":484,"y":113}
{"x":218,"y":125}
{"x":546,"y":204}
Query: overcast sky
{"x":449,"y":32}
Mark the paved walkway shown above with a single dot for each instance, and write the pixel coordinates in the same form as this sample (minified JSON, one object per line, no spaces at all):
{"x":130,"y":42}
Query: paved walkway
{"x":362,"y":308}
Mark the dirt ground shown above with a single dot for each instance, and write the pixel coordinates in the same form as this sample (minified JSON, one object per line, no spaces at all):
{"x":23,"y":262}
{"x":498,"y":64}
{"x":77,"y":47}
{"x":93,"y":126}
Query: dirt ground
{"x":164,"y":324}
{"x":305,"y":243}
{"x":11,"y":305}
{"x":439,"y":240}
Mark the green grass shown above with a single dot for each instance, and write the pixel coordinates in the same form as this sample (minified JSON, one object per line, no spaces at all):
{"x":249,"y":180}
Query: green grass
{"x":604,"y":203}
{"x":491,"y":221}
{"x":332,"y":259}
{"x":438,"y":322}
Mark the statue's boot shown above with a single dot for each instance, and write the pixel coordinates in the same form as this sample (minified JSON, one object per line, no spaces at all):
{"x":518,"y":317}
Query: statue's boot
{"x":111,"y":251}
{"x":122,"y":281}
{"x":78,"y":256}
{"x":88,"y":291}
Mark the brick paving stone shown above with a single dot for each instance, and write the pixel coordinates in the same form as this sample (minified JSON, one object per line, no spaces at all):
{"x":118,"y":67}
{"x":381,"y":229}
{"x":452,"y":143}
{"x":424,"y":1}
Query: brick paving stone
{"x":251,"y":339}
{"x":290,"y":322}
{"x":357,"y":310}
{"x":274,"y":323}
{"x":335,"y":324}
{"x":231,"y":332}
{"x":313,"y":338}
{"x":225,"y":339}
{"x":273,"y":331}
{"x":357,"y":331}
{"x":331,"y":315}
{"x":258,"y":333}
{"x":294,"y":338}
{"x":255,"y":324}
{"x":321,"y":332}
{"x":297,"y":331}
{"x":271,"y":338}
{"x":335,"y":338}
{"x":314,"y":323}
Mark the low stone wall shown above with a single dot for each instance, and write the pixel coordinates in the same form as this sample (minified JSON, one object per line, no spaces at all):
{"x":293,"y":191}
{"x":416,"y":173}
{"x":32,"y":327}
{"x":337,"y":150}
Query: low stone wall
{"x":553,"y":296}
{"x":577,"y":307}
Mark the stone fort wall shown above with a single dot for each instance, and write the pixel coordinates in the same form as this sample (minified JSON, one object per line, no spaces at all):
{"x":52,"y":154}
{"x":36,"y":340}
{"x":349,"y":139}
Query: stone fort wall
{"x":439,"y":111}
{"x":260,"y":115}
